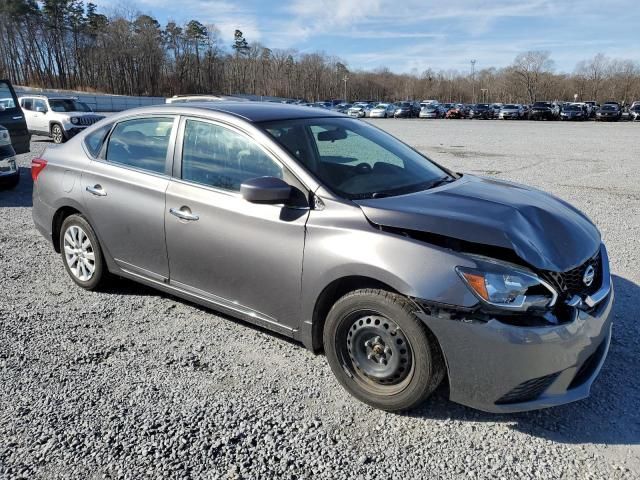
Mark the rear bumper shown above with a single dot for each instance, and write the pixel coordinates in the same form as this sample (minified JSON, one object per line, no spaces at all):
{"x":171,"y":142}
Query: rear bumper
{"x":501,"y":368}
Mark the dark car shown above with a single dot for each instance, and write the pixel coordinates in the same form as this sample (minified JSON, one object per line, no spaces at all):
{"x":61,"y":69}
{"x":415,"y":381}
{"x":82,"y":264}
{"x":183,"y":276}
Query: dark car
{"x":609,"y":112}
{"x":574,"y":112}
{"x":543,"y":111}
{"x":482,"y":111}
{"x":405,"y":110}
{"x":9,"y":171}
{"x":12,"y":118}
{"x":432,"y":110}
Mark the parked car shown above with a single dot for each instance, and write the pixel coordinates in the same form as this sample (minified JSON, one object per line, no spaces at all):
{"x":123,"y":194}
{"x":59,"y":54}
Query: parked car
{"x":342,"y":107}
{"x":511,"y":111}
{"x":543,"y":111}
{"x":609,"y":112}
{"x":432,"y":110}
{"x":634,"y":113}
{"x":12,"y":118}
{"x":360,"y":109}
{"x":482,"y":111}
{"x":9,"y":171}
{"x":383,"y":110}
{"x":326,"y":105}
{"x":57,"y":117}
{"x":457,"y":111}
{"x":405,"y":110}
{"x":574,"y":112}
{"x":331,"y":231}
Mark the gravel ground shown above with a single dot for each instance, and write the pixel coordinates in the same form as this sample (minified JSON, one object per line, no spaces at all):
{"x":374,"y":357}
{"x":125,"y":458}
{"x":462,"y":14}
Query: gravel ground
{"x":132,"y":383}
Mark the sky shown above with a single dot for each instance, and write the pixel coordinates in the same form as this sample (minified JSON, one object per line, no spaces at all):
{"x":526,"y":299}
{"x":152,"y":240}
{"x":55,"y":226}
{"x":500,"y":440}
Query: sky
{"x":414,"y":35}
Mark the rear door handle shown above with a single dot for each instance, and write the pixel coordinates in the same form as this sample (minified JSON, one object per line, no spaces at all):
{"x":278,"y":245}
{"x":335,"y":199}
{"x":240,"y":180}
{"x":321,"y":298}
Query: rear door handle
{"x":184,"y":213}
{"x":97,"y":190}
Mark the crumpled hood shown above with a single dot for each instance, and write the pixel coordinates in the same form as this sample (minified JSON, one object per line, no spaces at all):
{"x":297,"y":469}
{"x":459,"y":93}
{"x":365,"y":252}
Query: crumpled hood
{"x":543,"y":230}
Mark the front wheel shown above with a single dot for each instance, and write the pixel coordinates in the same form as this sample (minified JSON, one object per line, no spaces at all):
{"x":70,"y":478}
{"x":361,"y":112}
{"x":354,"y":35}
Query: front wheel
{"x":57,"y":134}
{"x":380,"y":351}
{"x":81,"y":253}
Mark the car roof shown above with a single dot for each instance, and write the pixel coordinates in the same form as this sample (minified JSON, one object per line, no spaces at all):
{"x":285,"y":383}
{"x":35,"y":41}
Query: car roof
{"x":253,"y":111}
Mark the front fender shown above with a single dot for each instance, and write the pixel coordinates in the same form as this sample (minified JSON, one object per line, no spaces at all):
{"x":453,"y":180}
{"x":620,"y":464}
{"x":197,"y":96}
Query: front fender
{"x":341,"y":242}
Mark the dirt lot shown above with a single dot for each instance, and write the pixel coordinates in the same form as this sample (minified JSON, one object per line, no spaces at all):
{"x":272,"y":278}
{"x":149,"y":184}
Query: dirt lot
{"x":131,"y":383}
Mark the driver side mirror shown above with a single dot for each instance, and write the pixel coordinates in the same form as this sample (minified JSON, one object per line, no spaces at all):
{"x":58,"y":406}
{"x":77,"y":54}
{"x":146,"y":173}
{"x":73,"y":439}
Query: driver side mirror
{"x":41,"y":109}
{"x":268,"y":190}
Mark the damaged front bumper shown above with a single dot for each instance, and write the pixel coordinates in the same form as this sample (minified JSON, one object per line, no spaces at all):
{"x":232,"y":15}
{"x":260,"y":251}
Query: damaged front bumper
{"x":504,"y":367}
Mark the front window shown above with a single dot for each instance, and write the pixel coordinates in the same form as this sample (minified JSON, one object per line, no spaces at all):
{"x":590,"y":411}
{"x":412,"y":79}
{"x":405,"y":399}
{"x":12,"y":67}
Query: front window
{"x":354,"y":159}
{"x":68,"y":105}
{"x":218,"y":157}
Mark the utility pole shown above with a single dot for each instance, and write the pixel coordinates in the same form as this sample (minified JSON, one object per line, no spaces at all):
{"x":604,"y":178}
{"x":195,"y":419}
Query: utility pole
{"x":345,"y":79}
{"x":473,"y":81}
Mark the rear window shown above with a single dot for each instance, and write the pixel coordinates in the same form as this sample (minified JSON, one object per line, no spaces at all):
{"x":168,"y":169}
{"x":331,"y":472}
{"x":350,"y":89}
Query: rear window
{"x":141,"y":143}
{"x":7,"y":100}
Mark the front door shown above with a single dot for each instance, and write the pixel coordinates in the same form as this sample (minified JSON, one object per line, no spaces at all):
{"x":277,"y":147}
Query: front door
{"x":125,"y":195}
{"x":244,"y":256}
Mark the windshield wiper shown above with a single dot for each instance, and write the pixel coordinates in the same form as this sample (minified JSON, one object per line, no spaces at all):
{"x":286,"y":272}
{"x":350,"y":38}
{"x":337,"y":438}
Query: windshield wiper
{"x":440,"y":181}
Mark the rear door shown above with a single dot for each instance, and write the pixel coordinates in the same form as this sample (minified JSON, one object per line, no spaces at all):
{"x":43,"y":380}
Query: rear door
{"x":12,"y":118}
{"x":124,"y":192}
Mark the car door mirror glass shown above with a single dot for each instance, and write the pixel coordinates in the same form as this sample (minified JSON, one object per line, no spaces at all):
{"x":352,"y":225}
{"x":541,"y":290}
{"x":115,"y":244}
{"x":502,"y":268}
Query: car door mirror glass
{"x":269,"y":190}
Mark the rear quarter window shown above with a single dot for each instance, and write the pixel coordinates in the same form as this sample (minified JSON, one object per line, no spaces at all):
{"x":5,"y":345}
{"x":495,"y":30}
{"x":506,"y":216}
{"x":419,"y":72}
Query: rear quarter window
{"x":94,"y":140}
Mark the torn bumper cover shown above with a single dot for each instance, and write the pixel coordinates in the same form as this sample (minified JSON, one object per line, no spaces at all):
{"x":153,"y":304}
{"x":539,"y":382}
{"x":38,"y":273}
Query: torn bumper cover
{"x":503,"y":367}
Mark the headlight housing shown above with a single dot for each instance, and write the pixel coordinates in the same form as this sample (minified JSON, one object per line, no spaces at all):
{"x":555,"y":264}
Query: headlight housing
{"x":507,"y":286}
{"x":74,"y":120}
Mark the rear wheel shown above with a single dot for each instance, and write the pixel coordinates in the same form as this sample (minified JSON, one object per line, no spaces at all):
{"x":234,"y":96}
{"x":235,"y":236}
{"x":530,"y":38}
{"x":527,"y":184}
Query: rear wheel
{"x":380,"y":351}
{"x":81,"y":253}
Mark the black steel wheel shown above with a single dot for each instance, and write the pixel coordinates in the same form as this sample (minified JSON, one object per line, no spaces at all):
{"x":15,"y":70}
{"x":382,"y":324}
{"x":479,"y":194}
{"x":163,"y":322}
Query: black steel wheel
{"x":380,"y":351}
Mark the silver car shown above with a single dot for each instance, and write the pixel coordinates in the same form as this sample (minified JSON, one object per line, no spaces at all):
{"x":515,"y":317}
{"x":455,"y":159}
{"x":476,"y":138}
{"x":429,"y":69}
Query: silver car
{"x":328,"y":230}
{"x":383,"y":110}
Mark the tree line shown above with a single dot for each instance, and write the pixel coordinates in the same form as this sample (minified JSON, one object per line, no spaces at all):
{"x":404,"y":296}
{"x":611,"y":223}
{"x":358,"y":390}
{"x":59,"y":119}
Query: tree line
{"x":68,"y":44}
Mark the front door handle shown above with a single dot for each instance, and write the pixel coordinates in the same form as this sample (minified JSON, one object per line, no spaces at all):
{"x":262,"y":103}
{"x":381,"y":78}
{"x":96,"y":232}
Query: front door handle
{"x":184,"y":213}
{"x":97,"y":190}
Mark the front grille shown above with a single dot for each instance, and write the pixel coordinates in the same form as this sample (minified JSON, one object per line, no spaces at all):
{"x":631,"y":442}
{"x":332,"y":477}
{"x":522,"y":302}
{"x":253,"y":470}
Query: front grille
{"x":529,"y":390}
{"x":89,"y":120}
{"x":570,"y":283}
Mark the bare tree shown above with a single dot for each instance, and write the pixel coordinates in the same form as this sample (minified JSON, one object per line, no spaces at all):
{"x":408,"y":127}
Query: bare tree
{"x":530,"y":68}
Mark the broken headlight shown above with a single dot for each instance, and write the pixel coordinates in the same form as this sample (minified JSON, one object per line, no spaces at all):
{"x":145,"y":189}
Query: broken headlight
{"x":507,"y":286}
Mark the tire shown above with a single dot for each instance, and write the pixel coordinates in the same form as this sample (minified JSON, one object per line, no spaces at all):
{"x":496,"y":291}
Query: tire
{"x":74,"y":233}
{"x":380,"y":351}
{"x":57,"y":134}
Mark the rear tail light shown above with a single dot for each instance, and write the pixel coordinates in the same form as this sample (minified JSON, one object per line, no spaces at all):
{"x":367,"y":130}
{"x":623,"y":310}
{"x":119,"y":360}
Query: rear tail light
{"x":37,"y":166}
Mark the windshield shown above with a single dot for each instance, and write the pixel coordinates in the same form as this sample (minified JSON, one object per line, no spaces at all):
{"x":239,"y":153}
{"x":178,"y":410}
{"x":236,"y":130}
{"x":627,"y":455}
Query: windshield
{"x":354,"y":159}
{"x":635,"y":108}
{"x":482,"y":106}
{"x":382,"y":105}
{"x":510,"y":107}
{"x":609,"y":107}
{"x":542,"y":104}
{"x":68,"y":105}
{"x":572,"y":108}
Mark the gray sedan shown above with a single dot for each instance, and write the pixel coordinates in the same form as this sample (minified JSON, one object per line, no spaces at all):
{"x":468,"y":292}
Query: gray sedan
{"x":328,"y":230}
